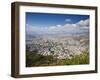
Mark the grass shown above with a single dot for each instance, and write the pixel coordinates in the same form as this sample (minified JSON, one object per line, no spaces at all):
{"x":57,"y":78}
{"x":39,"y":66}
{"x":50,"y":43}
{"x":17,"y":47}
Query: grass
{"x":77,"y":59}
{"x":34,"y":59}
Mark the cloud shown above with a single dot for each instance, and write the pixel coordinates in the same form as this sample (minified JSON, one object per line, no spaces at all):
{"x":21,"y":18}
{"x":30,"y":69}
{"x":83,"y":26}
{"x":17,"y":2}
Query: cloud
{"x":83,"y":22}
{"x":67,"y":20}
{"x":52,"y":27}
{"x":80,"y":27}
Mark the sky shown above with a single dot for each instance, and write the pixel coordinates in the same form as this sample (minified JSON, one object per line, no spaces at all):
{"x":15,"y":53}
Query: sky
{"x":48,"y":23}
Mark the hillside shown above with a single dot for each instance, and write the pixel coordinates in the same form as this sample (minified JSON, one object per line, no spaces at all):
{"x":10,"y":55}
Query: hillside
{"x":58,"y":49}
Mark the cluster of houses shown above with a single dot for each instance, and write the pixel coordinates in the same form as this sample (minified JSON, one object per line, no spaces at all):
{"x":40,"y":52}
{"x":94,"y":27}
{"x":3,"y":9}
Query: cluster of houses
{"x":61,"y":49}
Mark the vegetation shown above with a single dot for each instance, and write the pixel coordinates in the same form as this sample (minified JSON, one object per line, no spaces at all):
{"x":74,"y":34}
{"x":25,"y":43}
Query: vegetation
{"x":34,"y":59}
{"x":77,"y":59}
